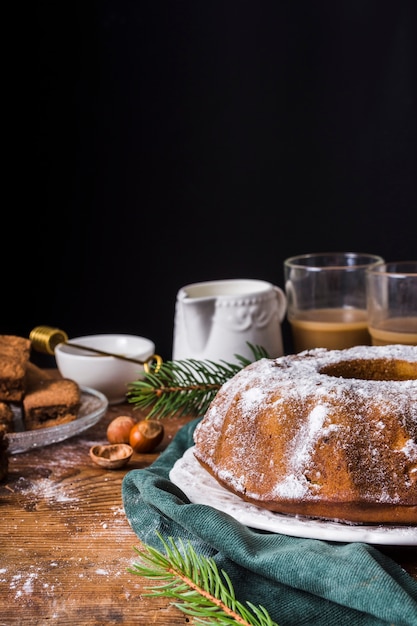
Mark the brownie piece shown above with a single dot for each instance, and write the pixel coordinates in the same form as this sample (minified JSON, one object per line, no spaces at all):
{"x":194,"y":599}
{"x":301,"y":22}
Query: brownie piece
{"x":50,"y":402}
{"x":6,"y":418}
{"x":14,"y":355}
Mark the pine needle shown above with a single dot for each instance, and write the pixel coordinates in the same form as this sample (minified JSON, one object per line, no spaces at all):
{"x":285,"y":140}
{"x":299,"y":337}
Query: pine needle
{"x":195,"y":586}
{"x":185,"y":387}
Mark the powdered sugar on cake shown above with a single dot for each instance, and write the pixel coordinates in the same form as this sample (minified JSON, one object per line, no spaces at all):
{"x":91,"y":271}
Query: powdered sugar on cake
{"x":294,"y":485}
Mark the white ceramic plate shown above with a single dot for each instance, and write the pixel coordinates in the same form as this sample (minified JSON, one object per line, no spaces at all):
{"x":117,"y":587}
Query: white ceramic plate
{"x":93,"y":406}
{"x":201,"y":488}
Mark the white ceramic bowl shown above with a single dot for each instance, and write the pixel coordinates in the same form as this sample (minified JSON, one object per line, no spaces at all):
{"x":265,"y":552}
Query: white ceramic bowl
{"x":107,"y":374}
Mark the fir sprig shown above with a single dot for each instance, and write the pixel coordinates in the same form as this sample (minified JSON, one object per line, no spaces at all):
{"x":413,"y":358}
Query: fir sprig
{"x":196,"y":586}
{"x":185,"y":386}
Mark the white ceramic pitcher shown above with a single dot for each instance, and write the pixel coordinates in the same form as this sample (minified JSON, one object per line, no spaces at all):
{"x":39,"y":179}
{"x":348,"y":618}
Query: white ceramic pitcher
{"x":215,"y":320}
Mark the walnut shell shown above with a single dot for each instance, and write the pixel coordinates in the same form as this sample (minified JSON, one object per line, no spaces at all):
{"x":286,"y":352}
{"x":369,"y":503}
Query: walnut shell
{"x":111,"y":456}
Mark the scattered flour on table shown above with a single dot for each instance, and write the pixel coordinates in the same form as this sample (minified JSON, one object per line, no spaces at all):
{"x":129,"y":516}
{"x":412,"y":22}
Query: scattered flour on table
{"x":30,"y":579}
{"x":45,"y":488}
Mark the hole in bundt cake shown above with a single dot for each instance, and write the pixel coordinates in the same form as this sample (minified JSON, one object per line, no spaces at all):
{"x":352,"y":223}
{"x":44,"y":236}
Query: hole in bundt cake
{"x":372,"y":369}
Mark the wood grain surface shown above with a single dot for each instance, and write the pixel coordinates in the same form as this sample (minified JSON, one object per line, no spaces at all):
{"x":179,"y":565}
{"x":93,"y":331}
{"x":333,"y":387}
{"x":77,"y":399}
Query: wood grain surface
{"x":65,"y":542}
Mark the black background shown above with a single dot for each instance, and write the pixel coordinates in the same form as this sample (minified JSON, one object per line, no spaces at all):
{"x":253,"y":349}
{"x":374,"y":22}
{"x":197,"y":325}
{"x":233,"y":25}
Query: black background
{"x":183,"y":141}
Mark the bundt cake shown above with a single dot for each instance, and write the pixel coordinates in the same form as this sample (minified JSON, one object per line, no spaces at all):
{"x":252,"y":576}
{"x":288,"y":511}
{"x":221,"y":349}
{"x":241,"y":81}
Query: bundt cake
{"x":328,"y":434}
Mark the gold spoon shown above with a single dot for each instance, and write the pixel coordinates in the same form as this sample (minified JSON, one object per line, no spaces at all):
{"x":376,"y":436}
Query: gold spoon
{"x":45,"y":339}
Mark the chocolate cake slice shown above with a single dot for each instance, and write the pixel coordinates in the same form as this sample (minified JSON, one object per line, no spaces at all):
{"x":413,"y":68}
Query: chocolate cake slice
{"x":6,"y":418}
{"x":14,"y":356}
{"x":50,"y":402}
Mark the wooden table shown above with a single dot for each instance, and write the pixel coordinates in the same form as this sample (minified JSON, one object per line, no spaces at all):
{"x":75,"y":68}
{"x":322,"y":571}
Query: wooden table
{"x":66,"y":545}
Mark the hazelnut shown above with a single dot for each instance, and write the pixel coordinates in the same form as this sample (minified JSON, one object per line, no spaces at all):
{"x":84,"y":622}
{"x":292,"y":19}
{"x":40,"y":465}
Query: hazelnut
{"x":146,"y":435}
{"x":118,"y":430}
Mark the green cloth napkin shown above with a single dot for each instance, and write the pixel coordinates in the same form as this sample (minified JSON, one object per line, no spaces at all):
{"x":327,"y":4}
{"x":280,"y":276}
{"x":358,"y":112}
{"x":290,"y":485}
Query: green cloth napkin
{"x":299,"y":581}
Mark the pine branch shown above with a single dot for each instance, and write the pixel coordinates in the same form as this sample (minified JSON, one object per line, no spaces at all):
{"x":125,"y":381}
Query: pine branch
{"x":185,"y":386}
{"x":196,"y":586}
